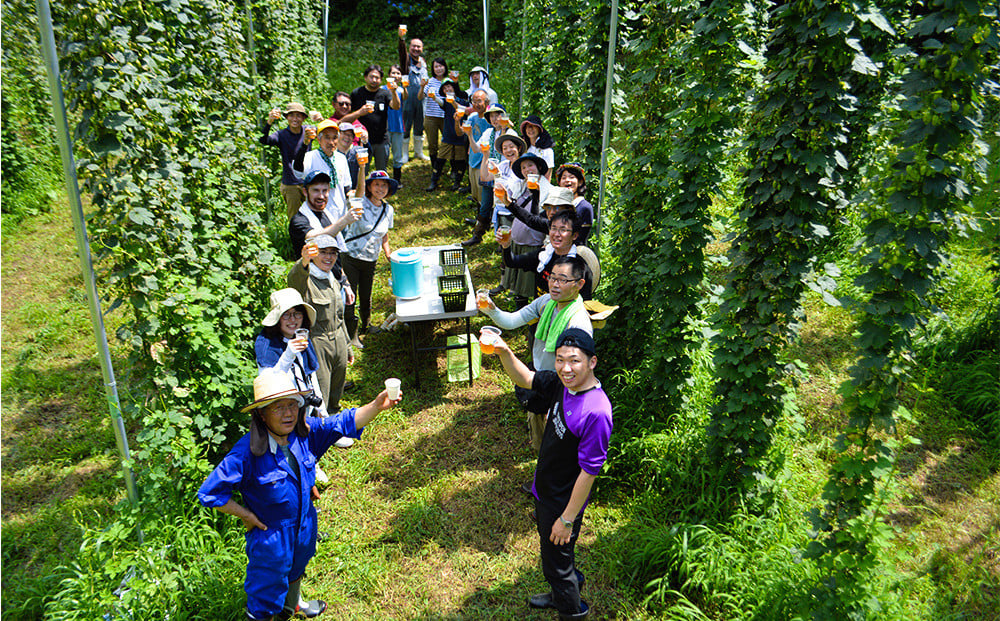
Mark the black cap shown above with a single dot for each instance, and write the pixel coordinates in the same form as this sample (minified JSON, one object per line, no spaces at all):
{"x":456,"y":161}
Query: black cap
{"x":575,"y":337}
{"x":316,"y":176}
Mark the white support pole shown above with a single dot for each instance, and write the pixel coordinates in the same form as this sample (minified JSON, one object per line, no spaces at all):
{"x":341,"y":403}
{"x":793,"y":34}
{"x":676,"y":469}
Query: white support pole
{"x":326,"y":33}
{"x":51,"y":60}
{"x":486,"y":34}
{"x":608,"y":88}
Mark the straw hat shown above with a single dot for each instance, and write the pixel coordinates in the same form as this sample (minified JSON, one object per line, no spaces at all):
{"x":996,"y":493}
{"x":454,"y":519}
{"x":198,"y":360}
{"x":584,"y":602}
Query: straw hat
{"x":273,"y":385}
{"x":281,"y":301}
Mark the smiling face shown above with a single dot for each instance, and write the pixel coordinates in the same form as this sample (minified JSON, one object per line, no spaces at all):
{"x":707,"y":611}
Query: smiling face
{"x":341,"y":105}
{"x":328,"y":140}
{"x":295,"y":120}
{"x":569,"y":181}
{"x":529,"y":168}
{"x":373,"y":79}
{"x":509,"y":150}
{"x":477,"y":78}
{"x":316,"y":195}
{"x":447,"y":89}
{"x":280,"y":417}
{"x":290,"y":321}
{"x":561,"y":235}
{"x":344,"y":140}
{"x":416,"y":48}
{"x":532,"y":131}
{"x":378,"y":189}
{"x":395,"y":74}
{"x":479,"y":102}
{"x":439,"y":70}
{"x":327,"y":257}
{"x":575,"y":368}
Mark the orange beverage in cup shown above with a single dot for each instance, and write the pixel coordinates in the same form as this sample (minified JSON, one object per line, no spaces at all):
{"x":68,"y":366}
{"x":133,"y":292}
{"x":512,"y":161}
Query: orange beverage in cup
{"x":498,"y":191}
{"x":532,"y":182}
{"x":406,"y":81}
{"x":460,"y":112}
{"x":302,"y":334}
{"x":402,"y":31}
{"x":482,"y":299}
{"x":362,"y":156}
{"x":493,"y":166}
{"x":312,"y":250}
{"x":505,"y":122}
{"x":391,"y":82}
{"x":504,"y":233}
{"x":488,"y":336}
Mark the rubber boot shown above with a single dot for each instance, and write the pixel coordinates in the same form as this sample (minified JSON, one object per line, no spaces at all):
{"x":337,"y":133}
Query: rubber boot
{"x":477,"y":233}
{"x":457,"y":172}
{"x":576,"y":616}
{"x":438,"y":165}
{"x":397,"y":174}
{"x":418,"y":148}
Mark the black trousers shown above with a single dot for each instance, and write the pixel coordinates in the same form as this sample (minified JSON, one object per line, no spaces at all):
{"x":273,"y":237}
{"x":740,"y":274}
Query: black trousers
{"x":558,"y":562}
{"x":361,"y":275}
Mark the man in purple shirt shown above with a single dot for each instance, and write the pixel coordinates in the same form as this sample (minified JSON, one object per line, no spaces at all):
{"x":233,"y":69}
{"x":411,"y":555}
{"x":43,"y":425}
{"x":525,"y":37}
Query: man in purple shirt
{"x":574,"y":448}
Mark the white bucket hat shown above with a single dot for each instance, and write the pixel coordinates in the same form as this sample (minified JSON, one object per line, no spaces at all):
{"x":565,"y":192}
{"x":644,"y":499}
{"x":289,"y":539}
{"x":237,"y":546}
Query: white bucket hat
{"x":281,"y":301}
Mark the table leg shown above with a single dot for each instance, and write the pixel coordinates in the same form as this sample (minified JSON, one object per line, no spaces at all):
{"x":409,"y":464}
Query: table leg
{"x":413,"y":352}
{"x":468,"y":347}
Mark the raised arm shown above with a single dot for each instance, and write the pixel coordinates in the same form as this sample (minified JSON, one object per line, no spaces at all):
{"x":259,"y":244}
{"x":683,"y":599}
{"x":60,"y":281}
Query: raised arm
{"x":516,"y":370}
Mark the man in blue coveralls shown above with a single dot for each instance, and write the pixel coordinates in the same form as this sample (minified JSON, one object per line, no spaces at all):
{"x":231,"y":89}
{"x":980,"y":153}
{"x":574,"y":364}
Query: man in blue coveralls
{"x":274,"y":468}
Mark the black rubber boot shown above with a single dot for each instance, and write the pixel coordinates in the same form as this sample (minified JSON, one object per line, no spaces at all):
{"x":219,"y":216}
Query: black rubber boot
{"x":438,"y":165}
{"x":477,"y":233}
{"x":457,"y":172}
{"x":576,"y":616}
{"x":397,"y":174}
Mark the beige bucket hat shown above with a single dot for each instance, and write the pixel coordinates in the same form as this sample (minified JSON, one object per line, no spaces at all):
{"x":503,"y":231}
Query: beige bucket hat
{"x":281,"y":301}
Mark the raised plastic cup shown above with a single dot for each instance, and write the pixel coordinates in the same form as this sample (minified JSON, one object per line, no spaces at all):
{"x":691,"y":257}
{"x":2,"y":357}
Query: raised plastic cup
{"x":483,"y":299}
{"x":504,"y":231}
{"x":498,"y":191}
{"x":532,"y":181}
{"x":450,"y":98}
{"x":302,"y":334}
{"x":406,"y":81}
{"x":488,"y":336}
{"x":392,"y":387}
{"x":357,"y":206}
{"x":493,"y":166}
{"x":362,"y":156}
{"x":402,"y":30}
{"x":390,"y":82}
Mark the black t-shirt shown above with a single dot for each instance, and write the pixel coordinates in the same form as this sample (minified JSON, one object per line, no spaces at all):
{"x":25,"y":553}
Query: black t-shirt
{"x":377,"y":123}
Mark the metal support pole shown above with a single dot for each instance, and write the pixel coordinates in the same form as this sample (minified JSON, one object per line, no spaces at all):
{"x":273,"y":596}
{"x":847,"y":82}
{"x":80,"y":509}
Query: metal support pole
{"x":253,"y":69}
{"x":609,"y":85}
{"x":326,"y":33}
{"x":486,"y":34}
{"x":51,"y":60}
{"x":524,"y":21}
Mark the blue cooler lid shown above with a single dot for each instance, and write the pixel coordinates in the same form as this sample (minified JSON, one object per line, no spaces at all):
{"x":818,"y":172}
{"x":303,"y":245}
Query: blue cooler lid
{"x":406,"y":255}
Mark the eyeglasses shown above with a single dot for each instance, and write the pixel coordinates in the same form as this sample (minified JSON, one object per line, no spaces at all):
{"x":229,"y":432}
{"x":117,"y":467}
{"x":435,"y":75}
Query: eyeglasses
{"x":561,"y":280}
{"x":560,"y":230}
{"x":291,"y":315}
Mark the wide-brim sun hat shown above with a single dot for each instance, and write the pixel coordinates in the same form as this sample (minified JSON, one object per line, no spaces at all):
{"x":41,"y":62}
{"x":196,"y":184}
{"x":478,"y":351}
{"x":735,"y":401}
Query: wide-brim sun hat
{"x":273,"y":385}
{"x":327,"y":124}
{"x":381,"y":175}
{"x":559,"y":197}
{"x":494,"y":108}
{"x":283,"y":300}
{"x":295,"y":107}
{"x":532,"y":119}
{"x":513,"y":137}
{"x":543,"y":167}
{"x":480,"y":70}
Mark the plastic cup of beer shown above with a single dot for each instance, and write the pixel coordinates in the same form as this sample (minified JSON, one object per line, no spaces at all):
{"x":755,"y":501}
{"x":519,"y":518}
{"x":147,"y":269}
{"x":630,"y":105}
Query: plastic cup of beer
{"x":392,"y":386}
{"x":493,"y":166}
{"x":406,"y":81}
{"x":357,"y":206}
{"x":504,"y":231}
{"x":362,"y":156}
{"x":402,"y":30}
{"x":450,"y":98}
{"x":312,"y":250}
{"x":532,"y":180}
{"x":390,"y":82}
{"x":488,"y":336}
{"x":499,"y":191}
{"x":460,"y":112}
{"x":483,"y":299}
{"x":505,"y":121}
{"x":302,"y":334}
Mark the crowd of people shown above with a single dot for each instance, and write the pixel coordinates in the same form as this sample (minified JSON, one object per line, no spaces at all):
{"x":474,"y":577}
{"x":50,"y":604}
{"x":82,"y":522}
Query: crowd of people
{"x":338,"y":226}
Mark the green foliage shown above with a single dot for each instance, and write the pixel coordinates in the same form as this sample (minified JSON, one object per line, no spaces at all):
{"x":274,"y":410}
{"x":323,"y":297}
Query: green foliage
{"x":188,"y":566}
{"x":30,"y":171}
{"x":921,"y":203}
{"x":796,"y":128}
{"x":433,"y":21}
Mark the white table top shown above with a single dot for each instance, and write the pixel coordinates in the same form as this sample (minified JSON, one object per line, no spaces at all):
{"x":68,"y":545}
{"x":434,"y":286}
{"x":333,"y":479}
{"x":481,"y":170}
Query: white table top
{"x":429,"y":306}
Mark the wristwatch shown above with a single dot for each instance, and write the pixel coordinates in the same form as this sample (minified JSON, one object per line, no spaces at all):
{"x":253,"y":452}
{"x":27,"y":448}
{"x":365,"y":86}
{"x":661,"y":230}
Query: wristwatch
{"x":566,"y":523}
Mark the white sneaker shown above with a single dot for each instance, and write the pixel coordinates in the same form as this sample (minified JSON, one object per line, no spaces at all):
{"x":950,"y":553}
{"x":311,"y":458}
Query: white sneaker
{"x":344,"y":442}
{"x":321,"y":476}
